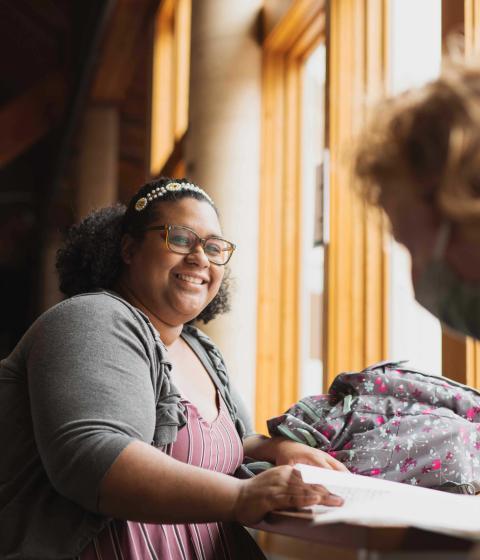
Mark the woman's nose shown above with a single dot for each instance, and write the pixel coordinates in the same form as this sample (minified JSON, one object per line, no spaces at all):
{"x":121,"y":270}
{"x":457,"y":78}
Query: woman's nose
{"x":198,"y":256}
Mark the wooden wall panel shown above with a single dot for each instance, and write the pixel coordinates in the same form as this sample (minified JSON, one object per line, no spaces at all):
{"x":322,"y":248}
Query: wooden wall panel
{"x":357,"y":264}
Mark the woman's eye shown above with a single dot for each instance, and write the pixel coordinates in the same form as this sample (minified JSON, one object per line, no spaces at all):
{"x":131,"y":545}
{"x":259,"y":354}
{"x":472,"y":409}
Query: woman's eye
{"x":213,"y":249}
{"x":182,"y":240}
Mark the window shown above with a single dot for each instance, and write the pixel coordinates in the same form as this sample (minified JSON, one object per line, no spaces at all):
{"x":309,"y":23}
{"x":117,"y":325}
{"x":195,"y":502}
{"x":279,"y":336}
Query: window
{"x":314,"y":222}
{"x":287,"y":48}
{"x":170,"y":77}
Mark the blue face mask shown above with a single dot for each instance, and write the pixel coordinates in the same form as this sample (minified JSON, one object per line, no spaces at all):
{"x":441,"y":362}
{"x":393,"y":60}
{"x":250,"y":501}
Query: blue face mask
{"x":456,"y":302}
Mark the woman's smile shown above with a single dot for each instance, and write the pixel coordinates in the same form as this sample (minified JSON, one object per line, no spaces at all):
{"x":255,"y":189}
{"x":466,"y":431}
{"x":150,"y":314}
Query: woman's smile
{"x":191,"y":279}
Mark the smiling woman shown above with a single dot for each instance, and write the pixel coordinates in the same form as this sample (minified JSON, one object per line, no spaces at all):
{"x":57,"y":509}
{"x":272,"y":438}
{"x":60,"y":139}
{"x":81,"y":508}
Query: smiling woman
{"x":172,"y":287}
{"x":128,"y":429}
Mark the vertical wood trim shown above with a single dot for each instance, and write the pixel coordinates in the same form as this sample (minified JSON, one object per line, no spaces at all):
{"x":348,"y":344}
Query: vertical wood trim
{"x":454,"y":357}
{"x":183,"y":19}
{"x":291,"y":220}
{"x":270,"y":251}
{"x":473,"y":362}
{"x":163,"y":88}
{"x":472,"y":26}
{"x":339,"y":265}
{"x":356,"y":260}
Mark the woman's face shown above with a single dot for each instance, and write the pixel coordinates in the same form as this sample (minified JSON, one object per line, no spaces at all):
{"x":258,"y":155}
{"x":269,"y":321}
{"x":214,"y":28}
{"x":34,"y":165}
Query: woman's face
{"x":173,"y":287}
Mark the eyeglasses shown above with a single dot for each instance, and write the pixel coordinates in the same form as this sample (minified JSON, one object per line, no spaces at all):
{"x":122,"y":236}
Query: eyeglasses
{"x":183,"y":240}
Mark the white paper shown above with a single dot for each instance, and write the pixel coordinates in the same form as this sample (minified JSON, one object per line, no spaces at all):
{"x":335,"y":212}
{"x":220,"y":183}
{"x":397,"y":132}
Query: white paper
{"x":381,"y":503}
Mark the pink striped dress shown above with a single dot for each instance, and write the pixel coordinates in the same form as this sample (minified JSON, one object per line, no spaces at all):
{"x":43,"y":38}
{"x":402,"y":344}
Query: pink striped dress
{"x":215,"y":446}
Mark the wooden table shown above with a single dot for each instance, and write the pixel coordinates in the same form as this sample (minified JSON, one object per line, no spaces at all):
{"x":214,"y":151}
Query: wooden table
{"x":371,"y":543}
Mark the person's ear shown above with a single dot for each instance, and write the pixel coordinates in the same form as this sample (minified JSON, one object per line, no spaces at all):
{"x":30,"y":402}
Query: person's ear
{"x":128,"y":247}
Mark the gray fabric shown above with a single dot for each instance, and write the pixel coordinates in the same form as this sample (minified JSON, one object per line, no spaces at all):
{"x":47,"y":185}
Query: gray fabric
{"x":90,"y":376}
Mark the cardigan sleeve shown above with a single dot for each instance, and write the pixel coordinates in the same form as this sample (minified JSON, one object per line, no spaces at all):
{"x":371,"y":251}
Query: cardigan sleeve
{"x":90,"y":389}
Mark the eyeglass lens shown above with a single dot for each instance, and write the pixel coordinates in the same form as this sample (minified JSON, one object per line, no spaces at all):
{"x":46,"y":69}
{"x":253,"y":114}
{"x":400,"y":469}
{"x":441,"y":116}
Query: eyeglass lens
{"x":184,"y":240}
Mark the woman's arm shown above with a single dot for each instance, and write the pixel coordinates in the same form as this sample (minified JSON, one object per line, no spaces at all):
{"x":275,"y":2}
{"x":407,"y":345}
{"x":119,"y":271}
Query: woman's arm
{"x":146,"y":485}
{"x":282,"y":451}
{"x":93,"y":412}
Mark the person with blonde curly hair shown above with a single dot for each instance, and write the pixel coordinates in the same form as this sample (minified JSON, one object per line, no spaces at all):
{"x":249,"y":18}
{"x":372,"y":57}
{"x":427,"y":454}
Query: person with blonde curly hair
{"x":419,"y":160}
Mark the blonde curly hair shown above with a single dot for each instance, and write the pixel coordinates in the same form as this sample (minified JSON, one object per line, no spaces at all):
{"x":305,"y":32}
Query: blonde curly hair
{"x":427,"y":140}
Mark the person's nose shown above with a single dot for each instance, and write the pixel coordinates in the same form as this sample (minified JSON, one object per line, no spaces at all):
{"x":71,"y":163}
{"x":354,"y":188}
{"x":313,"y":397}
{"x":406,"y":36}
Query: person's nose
{"x":198,"y":256}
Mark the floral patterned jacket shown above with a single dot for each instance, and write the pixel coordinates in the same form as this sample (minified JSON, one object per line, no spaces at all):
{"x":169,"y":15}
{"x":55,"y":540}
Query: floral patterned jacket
{"x":393,"y":423}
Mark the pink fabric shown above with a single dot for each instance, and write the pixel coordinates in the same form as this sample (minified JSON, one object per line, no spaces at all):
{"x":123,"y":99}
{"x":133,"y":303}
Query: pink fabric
{"x":215,"y":446}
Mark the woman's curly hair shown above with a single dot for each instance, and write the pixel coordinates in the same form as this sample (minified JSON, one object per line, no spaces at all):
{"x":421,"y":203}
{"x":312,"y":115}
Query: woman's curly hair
{"x":90,"y":258}
{"x":428,"y":140}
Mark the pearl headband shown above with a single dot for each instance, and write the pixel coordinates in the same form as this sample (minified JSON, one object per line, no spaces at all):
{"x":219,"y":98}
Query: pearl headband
{"x":158,"y":192}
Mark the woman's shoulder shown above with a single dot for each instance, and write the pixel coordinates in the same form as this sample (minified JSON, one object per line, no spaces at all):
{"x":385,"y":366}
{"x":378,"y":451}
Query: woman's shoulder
{"x":102,"y":310}
{"x":101,"y":301}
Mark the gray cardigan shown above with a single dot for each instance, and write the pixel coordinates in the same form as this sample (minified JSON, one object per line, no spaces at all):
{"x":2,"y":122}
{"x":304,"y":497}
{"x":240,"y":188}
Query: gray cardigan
{"x":90,"y":376}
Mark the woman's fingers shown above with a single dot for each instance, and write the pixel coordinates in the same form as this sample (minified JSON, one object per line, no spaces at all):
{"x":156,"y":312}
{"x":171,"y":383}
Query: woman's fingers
{"x":332,"y":500}
{"x":275,"y":489}
{"x":308,"y":498}
{"x":336,"y":465}
{"x":300,"y":494}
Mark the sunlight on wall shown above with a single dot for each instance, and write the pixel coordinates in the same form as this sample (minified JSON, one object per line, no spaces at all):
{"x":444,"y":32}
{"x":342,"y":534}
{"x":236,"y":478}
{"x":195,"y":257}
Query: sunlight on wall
{"x":415,"y":58}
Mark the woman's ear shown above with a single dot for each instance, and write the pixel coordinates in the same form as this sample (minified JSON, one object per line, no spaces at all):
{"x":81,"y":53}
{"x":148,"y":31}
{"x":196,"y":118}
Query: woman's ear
{"x":127,"y":248}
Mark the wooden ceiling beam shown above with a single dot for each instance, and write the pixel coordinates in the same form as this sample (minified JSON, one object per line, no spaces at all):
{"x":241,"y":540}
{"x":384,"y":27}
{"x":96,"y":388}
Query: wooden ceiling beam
{"x":29,"y":116}
{"x":129,"y":27}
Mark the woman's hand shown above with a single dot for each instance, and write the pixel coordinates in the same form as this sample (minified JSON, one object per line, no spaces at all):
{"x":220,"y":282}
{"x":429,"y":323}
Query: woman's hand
{"x":276,"y":489}
{"x":282,"y":451}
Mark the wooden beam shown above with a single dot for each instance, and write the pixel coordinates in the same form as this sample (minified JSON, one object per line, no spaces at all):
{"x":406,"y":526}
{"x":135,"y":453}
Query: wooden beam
{"x":129,"y":28}
{"x":273,"y":11}
{"x":298,"y":18}
{"x":28,"y":117}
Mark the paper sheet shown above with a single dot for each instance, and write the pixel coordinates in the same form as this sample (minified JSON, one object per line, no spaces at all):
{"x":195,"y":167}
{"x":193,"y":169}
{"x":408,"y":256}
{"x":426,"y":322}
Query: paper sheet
{"x":380,"y":503}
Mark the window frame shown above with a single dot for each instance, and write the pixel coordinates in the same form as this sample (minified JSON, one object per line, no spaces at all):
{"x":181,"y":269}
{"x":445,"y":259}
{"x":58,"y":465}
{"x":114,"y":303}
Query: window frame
{"x":170,"y":85}
{"x":285,"y":48}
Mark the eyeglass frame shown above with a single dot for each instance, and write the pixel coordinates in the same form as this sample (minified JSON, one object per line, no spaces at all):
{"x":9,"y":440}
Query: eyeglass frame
{"x":200,"y":240}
